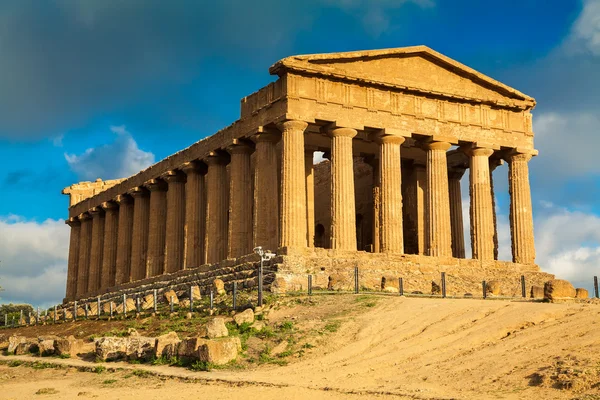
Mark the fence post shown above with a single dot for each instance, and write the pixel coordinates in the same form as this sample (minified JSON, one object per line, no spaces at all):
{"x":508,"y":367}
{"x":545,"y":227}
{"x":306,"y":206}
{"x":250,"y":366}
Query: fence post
{"x":191,"y":299}
{"x":37,"y":316}
{"x":310,"y":285}
{"x":400,"y":287}
{"x":443,"y":282}
{"x":6,"y":320}
{"x":110,"y":306}
{"x":171,"y":303}
{"x":484,"y":289}
{"x":29,"y":319}
{"x":99,"y":311}
{"x":55,"y":316}
{"x":85,"y":310}
{"x":155,"y":297}
{"x":21,"y":318}
{"x":137,"y":304}
{"x":75,"y":310}
{"x":211,"y":299}
{"x":64,"y":314}
{"x":13,"y":321}
{"x":596,"y":286}
{"x":355,"y":280}
{"x":523,"y":291}
{"x":260,"y":284}
{"x":234,"y":305}
{"x":124,"y":304}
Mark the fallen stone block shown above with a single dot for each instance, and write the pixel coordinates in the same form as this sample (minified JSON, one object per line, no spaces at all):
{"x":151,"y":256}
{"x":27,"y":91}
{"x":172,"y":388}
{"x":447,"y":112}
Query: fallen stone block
{"x":214,"y":328}
{"x":111,"y":348}
{"x":148,"y":302}
{"x":493,"y":287}
{"x":167,"y":345}
{"x":196,"y":293}
{"x":219,"y":351}
{"x":537,"y":292}
{"x":558,"y":289}
{"x":171,"y":294}
{"x":188,"y":348}
{"x":245,"y":317}
{"x":581,"y":293}
{"x":140,"y":347}
{"x":46,"y":345}
{"x":69,"y":345}
{"x":219,"y":286}
{"x":14,"y":341}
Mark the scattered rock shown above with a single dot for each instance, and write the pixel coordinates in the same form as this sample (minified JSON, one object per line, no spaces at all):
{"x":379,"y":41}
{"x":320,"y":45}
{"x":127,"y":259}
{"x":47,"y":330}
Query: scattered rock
{"x":558,"y":288}
{"x":493,"y":287}
{"x":246,"y":316}
{"x":537,"y":292}
{"x":196,"y":293}
{"x":140,"y":347}
{"x":46,"y":345}
{"x":106,"y":307}
{"x":581,"y":293}
{"x":171,"y":293}
{"x":184,"y":303}
{"x":188,"y":348}
{"x":148,"y":302}
{"x":258,"y":325}
{"x":167,"y":345}
{"x":68,"y":345}
{"x":15,"y":341}
{"x":132,"y":332}
{"x":220,"y":351}
{"x":219,"y":286}
{"x":111,"y":348}
{"x":214,"y":328}
{"x":27,"y":347}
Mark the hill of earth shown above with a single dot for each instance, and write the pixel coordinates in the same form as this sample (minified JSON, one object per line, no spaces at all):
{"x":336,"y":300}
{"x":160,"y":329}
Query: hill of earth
{"x":348,"y":346}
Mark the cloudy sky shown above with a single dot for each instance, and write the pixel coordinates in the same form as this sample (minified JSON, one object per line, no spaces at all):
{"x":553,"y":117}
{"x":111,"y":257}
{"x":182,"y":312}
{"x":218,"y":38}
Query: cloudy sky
{"x":103,"y":88}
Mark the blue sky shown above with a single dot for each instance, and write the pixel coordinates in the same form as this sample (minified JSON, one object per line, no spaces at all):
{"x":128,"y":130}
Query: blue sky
{"x":87,"y":87}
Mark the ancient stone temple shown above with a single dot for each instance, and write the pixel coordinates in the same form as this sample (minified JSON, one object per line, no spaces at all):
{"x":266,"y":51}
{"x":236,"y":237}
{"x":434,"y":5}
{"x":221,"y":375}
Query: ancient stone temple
{"x":399,"y":128}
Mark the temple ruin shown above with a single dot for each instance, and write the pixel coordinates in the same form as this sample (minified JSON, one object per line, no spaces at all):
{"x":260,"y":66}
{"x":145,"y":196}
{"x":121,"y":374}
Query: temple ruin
{"x":399,"y":128}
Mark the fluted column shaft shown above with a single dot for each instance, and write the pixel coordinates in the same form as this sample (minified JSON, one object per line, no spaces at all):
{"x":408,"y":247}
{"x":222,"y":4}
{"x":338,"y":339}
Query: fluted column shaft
{"x":216,"y":209}
{"x":195,"y":219}
{"x":493,"y":164}
{"x":376,"y":206}
{"x":83,"y":264}
{"x":96,"y":249}
{"x":73,"y":257}
{"x":240,"y":201}
{"x":141,"y":224}
{"x":124,"y":239}
{"x":293,"y":185}
{"x":109,"y":252}
{"x":391,"y":230}
{"x":482,"y":220}
{"x":310,"y":197}
{"x":456,"y":212}
{"x":157,"y":228}
{"x":266,"y":188}
{"x":175,"y":225}
{"x":343,"y":208}
{"x":437,"y":201}
{"x":521,"y":217}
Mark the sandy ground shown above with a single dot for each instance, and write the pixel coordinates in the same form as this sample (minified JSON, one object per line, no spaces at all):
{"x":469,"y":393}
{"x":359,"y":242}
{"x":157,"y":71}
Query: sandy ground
{"x":414,"y":348}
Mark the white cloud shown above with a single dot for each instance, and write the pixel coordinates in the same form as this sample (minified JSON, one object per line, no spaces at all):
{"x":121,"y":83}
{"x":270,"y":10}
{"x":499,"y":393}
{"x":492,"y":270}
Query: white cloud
{"x":119,"y":159}
{"x":585,"y":35}
{"x":33,"y":261}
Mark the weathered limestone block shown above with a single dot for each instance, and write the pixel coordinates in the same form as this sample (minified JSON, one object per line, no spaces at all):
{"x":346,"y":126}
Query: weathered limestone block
{"x":148,"y":302}
{"x":14,"y":341}
{"x":214,"y":328}
{"x":69,"y":345}
{"x":493,"y":287}
{"x":167,"y":345}
{"x":220,"y":351}
{"x":537,"y":292}
{"x":46,"y":345}
{"x":140,"y":347}
{"x":558,"y":288}
{"x":188,"y":348}
{"x":279,"y":285}
{"x":258,"y":325}
{"x":219,"y":286}
{"x":171,"y":293}
{"x":196,"y":293}
{"x":106,"y":307}
{"x":185,"y":303}
{"x":245,"y":317}
{"x":29,"y":346}
{"x":111,"y":348}
{"x":581,"y":293}
{"x":93,"y":308}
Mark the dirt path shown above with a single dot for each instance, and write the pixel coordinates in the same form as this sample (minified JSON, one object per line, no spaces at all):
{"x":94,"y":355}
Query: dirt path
{"x":400,"y":348}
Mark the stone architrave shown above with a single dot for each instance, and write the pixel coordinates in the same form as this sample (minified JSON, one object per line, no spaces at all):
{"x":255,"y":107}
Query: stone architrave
{"x":310,"y":196}
{"x":83,"y":264}
{"x":438,"y":241}
{"x":96,"y":249}
{"x":157,"y":227}
{"x":175,"y":223}
{"x":391,"y":230}
{"x":124,"y":239}
{"x":456,"y":212}
{"x":195,"y":219}
{"x":293,"y":186}
{"x":521,"y":219}
{"x":216,"y":208}
{"x":482,"y":220}
{"x":266,"y":189}
{"x":343,"y":214}
{"x":139,"y":244}
{"x":240,"y":201}
{"x":75,"y":234}
{"x":109,"y":252}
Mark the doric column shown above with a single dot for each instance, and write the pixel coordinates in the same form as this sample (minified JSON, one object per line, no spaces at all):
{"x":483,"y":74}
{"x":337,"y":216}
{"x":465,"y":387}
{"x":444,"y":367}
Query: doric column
{"x":240,"y":201}
{"x":422,"y":223}
{"x":482,"y":220}
{"x":343,"y":209}
{"x":390,"y":224}
{"x":293,"y":185}
{"x":456,"y":212}
{"x":83,"y":264}
{"x":494,"y":162}
{"x":124,"y":239}
{"x":266,"y":188}
{"x":195,"y":219}
{"x":521,"y":217}
{"x":73,"y":257}
{"x":109,"y":253}
{"x":157,"y":227}
{"x":96,"y":249}
{"x":175,"y":226}
{"x":310,"y":196}
{"x":216,"y":208}
{"x":139,"y":244}
{"x":437,"y":202}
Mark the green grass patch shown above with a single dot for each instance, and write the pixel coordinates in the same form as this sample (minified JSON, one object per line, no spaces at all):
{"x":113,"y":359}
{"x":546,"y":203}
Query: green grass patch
{"x":109,"y":381}
{"x":15,"y":363}
{"x":142,"y":373}
{"x":332,"y":326}
{"x":47,"y":391}
{"x":99,"y":369}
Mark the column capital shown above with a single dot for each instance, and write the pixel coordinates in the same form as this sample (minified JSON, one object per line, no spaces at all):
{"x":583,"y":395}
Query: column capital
{"x":156,"y":185}
{"x":194,"y":166}
{"x":173,"y":176}
{"x":109,"y":205}
{"x":342,"y":132}
{"x":391,"y":139}
{"x":478,"y":152}
{"x":215,"y":158}
{"x":240,"y":148}
{"x":123,"y":199}
{"x":515,"y":155}
{"x":292,"y":124}
{"x":456,"y":173}
{"x":138,"y":191}
{"x":72,"y":221}
{"x":84,"y":216}
{"x":435,"y":145}
{"x":96,"y":211}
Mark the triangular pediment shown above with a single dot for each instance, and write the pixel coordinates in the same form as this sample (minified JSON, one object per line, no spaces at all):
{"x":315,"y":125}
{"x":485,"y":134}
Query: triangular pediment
{"x":415,"y":68}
